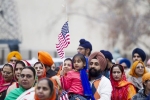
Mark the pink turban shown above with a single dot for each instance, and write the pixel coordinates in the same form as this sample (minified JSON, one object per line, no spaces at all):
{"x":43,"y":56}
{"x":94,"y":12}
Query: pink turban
{"x":101,"y":59}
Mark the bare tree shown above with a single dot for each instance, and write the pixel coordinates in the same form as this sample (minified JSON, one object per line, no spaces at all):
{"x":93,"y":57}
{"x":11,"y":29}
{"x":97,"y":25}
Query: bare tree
{"x":129,"y":18}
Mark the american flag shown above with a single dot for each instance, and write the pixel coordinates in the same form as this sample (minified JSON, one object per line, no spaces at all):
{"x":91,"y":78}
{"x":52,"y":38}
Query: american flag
{"x":64,"y":96}
{"x":64,"y":40}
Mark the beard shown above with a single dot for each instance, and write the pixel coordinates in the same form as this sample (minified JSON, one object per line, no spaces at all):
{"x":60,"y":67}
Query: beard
{"x":94,"y":72}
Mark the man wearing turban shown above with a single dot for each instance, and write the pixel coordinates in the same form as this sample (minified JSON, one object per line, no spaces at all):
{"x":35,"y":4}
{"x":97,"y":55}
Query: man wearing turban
{"x":84,"y":47}
{"x":109,"y":58}
{"x":144,"y":94}
{"x":138,"y":54}
{"x":47,"y":60}
{"x":13,"y":57}
{"x":101,"y":86}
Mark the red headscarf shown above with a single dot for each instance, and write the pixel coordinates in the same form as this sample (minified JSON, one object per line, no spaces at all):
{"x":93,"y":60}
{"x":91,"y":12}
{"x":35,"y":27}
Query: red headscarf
{"x":3,"y":84}
{"x":120,"y":88}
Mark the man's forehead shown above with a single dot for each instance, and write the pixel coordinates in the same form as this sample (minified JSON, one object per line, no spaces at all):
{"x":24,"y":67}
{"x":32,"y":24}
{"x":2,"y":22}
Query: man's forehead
{"x":94,"y":60}
{"x":136,"y":54}
{"x":80,"y":47}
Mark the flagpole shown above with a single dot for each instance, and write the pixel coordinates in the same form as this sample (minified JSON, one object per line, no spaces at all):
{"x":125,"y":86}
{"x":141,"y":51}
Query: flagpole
{"x":66,"y":7}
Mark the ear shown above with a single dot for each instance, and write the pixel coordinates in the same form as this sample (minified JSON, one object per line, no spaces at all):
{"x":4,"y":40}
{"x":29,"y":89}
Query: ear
{"x":85,"y":64}
{"x":144,"y":83}
{"x":87,"y":51}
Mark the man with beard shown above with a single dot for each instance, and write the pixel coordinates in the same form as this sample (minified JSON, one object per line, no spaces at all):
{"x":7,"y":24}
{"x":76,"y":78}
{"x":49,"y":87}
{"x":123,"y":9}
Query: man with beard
{"x":101,"y":86}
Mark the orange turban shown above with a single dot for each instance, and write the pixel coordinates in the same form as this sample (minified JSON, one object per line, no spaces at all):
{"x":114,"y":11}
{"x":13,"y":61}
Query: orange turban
{"x":146,"y":77}
{"x":132,"y":71}
{"x":45,"y":58}
{"x":14,"y":54}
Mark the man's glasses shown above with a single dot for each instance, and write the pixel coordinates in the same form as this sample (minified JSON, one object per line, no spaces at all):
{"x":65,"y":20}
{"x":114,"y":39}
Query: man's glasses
{"x":80,"y":48}
{"x":27,"y":76}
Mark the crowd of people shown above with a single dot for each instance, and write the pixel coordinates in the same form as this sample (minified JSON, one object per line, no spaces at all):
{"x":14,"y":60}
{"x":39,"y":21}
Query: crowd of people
{"x":86,"y":76}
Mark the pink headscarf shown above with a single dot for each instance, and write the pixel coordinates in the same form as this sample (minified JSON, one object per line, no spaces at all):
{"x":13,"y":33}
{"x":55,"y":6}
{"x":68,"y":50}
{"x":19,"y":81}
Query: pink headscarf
{"x":3,"y":84}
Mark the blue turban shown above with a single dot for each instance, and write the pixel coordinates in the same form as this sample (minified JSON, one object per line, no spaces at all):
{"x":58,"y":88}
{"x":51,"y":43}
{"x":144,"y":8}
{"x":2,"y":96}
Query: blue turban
{"x":126,"y":61}
{"x":140,"y":52}
{"x":85,"y":44}
{"x":107,"y":54}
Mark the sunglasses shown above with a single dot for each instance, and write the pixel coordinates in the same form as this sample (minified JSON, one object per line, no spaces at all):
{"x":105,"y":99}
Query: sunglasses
{"x":27,"y":76}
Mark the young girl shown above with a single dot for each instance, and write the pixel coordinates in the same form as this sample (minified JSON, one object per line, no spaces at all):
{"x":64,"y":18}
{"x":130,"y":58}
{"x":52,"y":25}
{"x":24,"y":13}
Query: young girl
{"x":75,"y":82}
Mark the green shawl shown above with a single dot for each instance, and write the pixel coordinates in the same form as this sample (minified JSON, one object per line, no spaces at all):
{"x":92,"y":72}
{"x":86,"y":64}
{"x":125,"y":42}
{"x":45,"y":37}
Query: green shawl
{"x":14,"y":94}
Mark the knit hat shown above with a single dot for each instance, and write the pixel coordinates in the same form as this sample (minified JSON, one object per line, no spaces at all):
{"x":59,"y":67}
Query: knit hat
{"x":85,"y":44}
{"x":45,"y":58}
{"x":133,"y":67}
{"x":14,"y":54}
{"x":145,"y":77}
{"x":101,"y":59}
{"x":126,"y":61}
{"x":140,"y":52}
{"x":107,"y":54}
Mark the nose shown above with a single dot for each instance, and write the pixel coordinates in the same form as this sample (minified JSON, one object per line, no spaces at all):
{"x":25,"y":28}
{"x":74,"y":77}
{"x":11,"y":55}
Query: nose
{"x":18,"y":71}
{"x":40,"y":90}
{"x":92,"y":66}
{"x":116,"y":74}
{"x":24,"y":77}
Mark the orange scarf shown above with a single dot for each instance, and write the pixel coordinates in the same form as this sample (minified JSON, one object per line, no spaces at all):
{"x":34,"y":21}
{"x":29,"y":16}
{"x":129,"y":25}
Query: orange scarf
{"x":133,"y":67}
{"x":52,"y":97}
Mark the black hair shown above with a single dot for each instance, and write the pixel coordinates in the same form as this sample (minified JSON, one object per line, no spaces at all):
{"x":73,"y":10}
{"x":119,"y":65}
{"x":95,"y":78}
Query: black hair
{"x":32,"y":69}
{"x":38,"y":63}
{"x":83,"y":59}
{"x":69,"y":60}
{"x":50,"y":84}
{"x":9,"y":65}
{"x":119,"y":66}
{"x":20,"y":62}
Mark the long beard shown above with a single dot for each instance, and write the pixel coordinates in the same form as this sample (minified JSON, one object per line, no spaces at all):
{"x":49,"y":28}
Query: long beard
{"x":94,"y":73}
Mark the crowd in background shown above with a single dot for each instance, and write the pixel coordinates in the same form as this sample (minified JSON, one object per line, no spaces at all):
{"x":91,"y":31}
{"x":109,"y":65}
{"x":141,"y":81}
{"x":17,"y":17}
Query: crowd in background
{"x":88,"y":75}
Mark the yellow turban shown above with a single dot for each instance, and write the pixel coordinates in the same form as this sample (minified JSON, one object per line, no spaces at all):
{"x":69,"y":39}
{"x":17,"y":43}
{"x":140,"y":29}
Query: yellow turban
{"x":45,"y":58}
{"x":14,"y":54}
{"x":145,"y":77}
{"x":132,"y":71}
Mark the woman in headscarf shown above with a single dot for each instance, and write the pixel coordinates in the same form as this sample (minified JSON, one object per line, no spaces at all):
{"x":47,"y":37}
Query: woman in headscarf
{"x":138,"y":69}
{"x":47,"y":60}
{"x":40,"y":70}
{"x":122,"y":89}
{"x":45,"y":90}
{"x":17,"y":71}
{"x":7,"y":79}
{"x":26,"y":82}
